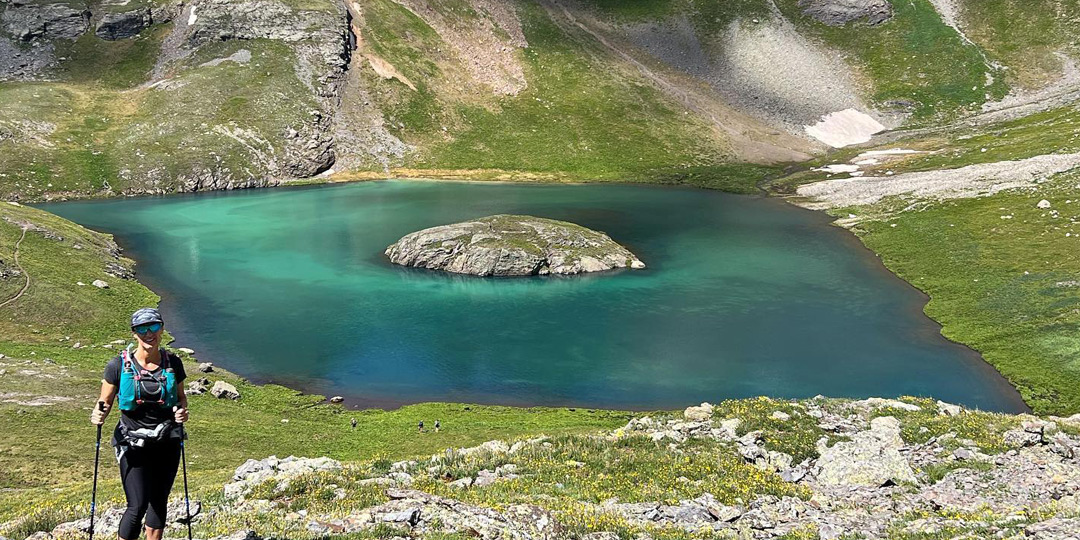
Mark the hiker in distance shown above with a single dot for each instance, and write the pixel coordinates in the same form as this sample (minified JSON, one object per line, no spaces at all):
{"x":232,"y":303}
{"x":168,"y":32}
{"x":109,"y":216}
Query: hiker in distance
{"x":150,"y":384}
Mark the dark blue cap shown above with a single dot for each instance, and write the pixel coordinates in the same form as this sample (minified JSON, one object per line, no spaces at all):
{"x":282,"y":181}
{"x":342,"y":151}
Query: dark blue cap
{"x":145,"y":315}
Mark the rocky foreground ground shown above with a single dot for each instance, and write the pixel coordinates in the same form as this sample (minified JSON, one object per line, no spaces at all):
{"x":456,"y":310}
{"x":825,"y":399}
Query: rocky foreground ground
{"x":761,"y":468}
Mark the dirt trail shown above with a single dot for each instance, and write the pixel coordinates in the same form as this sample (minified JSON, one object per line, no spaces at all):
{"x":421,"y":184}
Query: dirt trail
{"x":749,"y":141}
{"x":970,"y":181}
{"x":21,"y":269}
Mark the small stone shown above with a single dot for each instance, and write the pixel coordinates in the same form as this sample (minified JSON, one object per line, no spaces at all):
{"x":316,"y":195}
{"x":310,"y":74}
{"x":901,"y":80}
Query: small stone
{"x":186,"y":350}
{"x":100,"y":284}
{"x":963,"y":454}
{"x":337,"y":399}
{"x":780,"y":415}
{"x":1044,"y":204}
{"x":462,"y":483}
{"x":206,"y":367}
{"x":484,"y":478}
{"x":604,"y":535}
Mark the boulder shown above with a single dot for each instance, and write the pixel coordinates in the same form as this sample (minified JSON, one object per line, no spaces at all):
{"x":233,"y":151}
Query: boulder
{"x":508,"y":245}
{"x":699,"y":413}
{"x":253,"y":472}
{"x":224,"y":390}
{"x":1043,"y":204}
{"x":195,"y":388}
{"x":337,"y":399}
{"x":841,"y":12}
{"x":123,"y":25}
{"x":206,"y":367}
{"x":871,"y":458}
{"x":948,"y":409}
{"x":485,"y":478}
{"x":495,"y":447}
{"x":100,"y":284}
{"x":178,"y":511}
{"x":874,"y":403}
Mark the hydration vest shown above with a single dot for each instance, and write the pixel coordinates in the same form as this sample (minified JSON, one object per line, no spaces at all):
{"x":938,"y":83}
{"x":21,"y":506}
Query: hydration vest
{"x":131,"y":380}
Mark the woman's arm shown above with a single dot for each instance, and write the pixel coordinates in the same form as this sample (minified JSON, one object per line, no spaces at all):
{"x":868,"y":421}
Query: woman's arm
{"x":108,"y":394}
{"x":181,"y":413}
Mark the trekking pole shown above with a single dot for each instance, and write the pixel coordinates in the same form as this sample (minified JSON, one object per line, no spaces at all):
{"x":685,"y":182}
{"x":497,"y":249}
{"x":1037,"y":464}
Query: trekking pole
{"x":183,"y":459}
{"x":97,"y":454}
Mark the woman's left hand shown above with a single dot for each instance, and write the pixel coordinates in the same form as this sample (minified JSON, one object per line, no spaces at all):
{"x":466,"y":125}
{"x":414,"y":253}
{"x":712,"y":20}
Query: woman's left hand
{"x":180,"y":414}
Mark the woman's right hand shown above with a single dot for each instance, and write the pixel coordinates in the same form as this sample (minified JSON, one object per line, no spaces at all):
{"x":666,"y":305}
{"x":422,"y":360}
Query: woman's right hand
{"x":97,"y":416}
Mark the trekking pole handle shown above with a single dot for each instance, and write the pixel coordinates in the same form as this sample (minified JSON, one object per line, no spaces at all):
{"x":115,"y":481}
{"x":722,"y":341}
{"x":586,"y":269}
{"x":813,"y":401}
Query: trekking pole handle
{"x":101,"y":406}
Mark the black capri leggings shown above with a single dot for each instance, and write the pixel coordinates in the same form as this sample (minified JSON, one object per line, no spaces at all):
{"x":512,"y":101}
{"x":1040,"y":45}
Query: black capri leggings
{"x":147,"y":474}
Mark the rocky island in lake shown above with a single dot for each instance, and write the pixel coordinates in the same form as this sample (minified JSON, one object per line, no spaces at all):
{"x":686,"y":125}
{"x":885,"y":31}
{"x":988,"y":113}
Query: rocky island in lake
{"x":509,"y":245}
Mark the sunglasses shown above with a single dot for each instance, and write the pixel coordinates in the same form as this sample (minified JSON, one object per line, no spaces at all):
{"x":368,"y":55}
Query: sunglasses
{"x":144,"y":328}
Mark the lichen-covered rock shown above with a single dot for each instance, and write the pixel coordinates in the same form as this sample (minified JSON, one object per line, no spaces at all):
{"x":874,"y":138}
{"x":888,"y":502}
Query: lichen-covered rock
{"x":224,"y":390}
{"x":254,"y":472}
{"x":841,"y":12}
{"x":872,"y":458}
{"x":508,"y":245}
{"x":699,"y":413}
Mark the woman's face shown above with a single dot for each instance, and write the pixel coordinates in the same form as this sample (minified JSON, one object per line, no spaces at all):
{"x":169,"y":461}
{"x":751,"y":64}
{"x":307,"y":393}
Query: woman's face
{"x":148,"y":335}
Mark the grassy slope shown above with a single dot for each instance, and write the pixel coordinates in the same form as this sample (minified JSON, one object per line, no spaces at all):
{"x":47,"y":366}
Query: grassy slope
{"x":1024,"y":35}
{"x":99,"y":132}
{"x":999,"y":285}
{"x":580,"y":117}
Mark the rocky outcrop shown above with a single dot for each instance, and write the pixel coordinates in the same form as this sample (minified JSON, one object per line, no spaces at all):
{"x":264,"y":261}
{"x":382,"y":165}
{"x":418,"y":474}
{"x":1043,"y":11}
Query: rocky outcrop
{"x":27,"y":21}
{"x":508,"y":245}
{"x":425,"y":513}
{"x":123,"y":25}
{"x":320,"y":39}
{"x":841,"y":12}
{"x":281,"y":471}
{"x":872,"y":458}
{"x":8,"y":270}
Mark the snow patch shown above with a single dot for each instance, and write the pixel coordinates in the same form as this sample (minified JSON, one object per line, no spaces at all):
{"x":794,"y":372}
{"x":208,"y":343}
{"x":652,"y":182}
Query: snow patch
{"x":838,"y":168}
{"x":844,"y":128}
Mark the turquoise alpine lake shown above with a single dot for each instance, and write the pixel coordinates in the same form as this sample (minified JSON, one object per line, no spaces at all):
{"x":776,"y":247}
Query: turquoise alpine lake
{"x":743,"y":296}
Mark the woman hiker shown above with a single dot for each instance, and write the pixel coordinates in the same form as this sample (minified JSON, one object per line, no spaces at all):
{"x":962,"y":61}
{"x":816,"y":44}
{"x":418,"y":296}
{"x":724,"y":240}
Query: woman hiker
{"x":150,"y":384}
